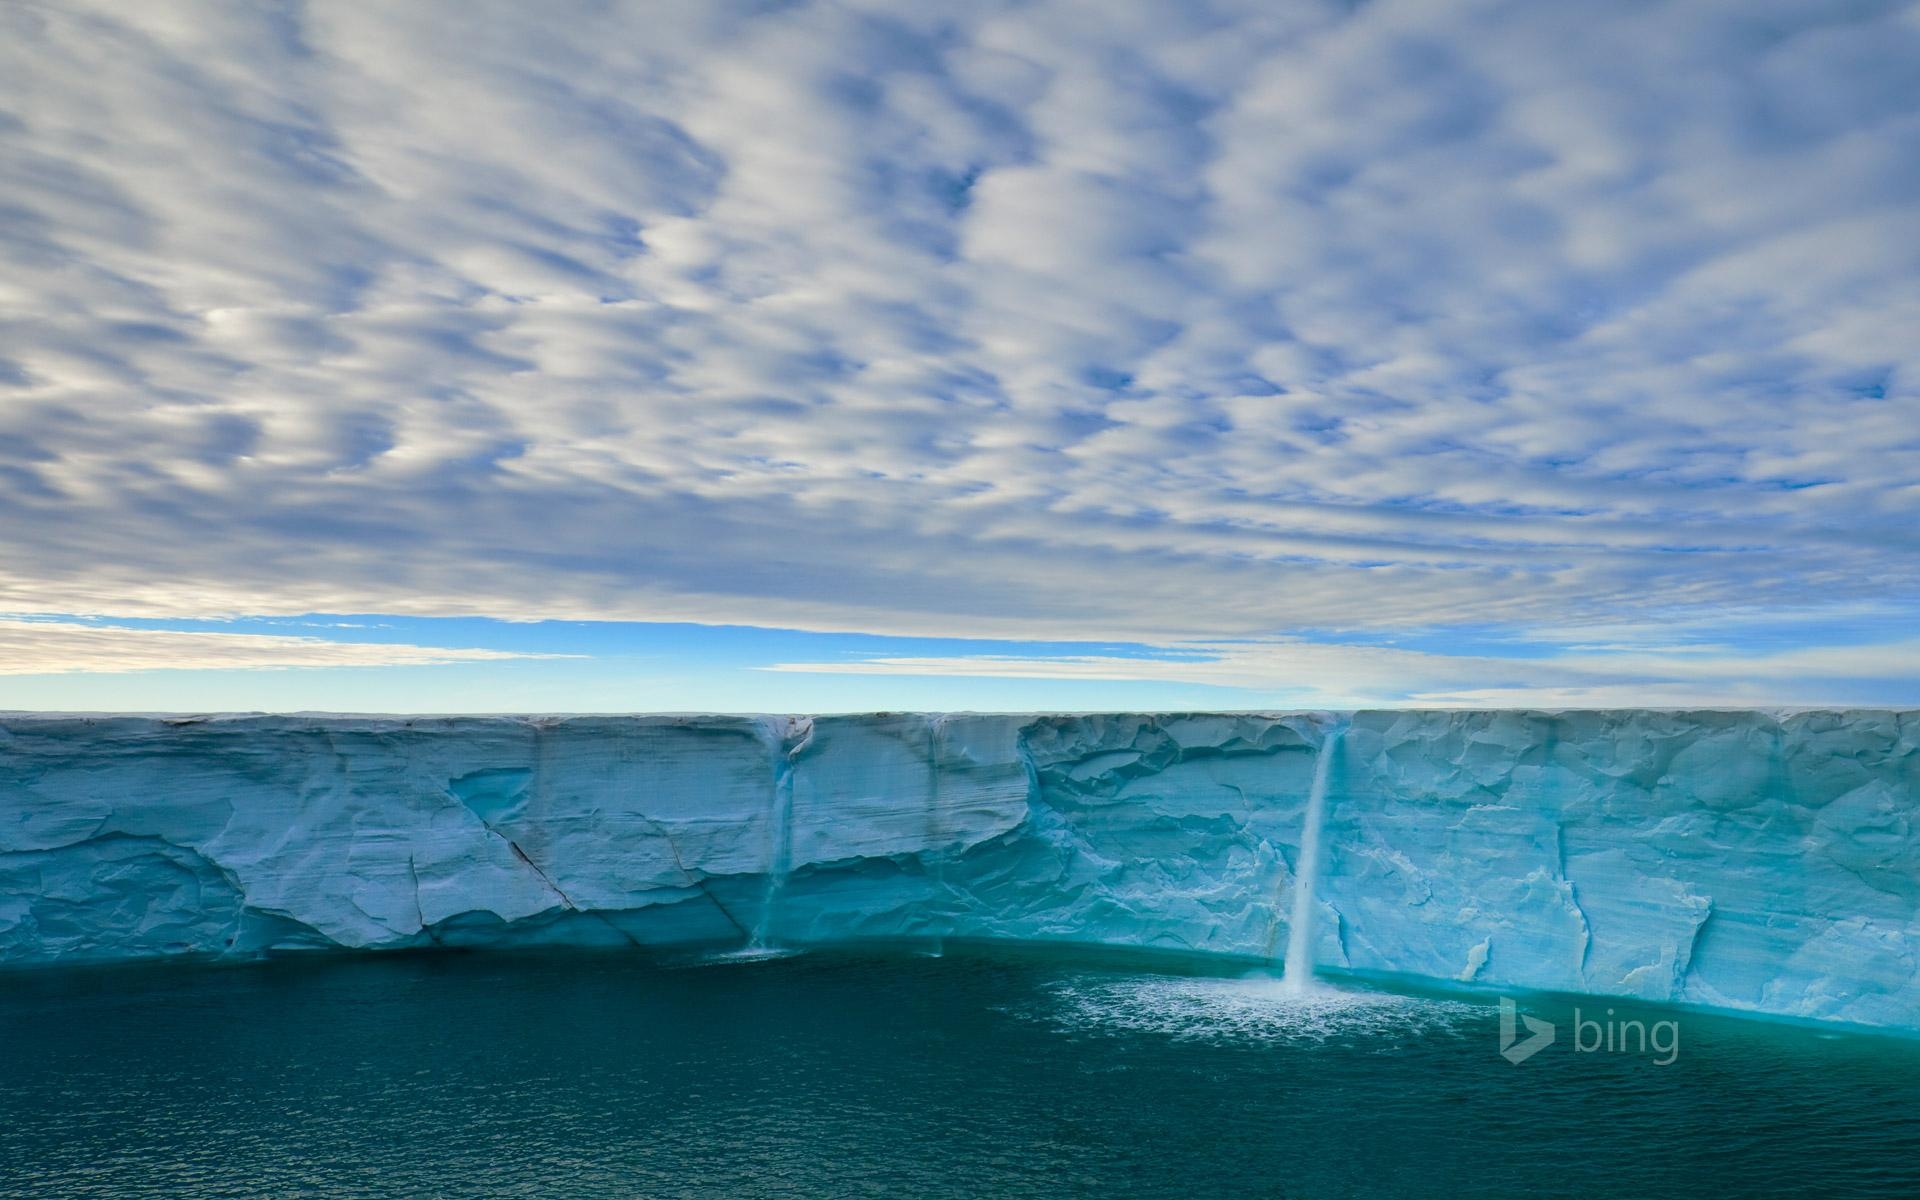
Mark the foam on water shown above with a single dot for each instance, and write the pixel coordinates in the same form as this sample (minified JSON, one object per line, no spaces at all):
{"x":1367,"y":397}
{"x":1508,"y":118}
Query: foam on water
{"x":750,"y":953}
{"x":1252,"y":1009}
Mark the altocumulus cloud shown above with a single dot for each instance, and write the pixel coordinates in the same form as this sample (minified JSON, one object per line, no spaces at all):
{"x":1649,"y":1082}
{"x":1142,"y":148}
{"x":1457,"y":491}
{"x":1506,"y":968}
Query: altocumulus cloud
{"x":1170,"y":323}
{"x":40,"y":647}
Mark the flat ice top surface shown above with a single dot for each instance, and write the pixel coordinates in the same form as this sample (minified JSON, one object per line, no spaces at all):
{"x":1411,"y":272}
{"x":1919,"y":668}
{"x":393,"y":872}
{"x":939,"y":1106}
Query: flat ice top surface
{"x":1007,"y":1075}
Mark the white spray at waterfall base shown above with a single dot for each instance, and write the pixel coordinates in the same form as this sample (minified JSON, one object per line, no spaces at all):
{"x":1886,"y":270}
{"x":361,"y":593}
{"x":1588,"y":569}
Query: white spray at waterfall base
{"x":1245,"y":1011}
{"x":1297,"y":966}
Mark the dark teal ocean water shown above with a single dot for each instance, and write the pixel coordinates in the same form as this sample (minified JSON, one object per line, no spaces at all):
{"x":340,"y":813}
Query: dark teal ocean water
{"x":899,"y":1075}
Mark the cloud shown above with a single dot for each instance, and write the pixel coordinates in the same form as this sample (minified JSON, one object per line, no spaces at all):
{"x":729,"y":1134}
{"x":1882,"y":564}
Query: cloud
{"x":37,"y":647}
{"x":1335,"y":675}
{"x":1130,"y":321}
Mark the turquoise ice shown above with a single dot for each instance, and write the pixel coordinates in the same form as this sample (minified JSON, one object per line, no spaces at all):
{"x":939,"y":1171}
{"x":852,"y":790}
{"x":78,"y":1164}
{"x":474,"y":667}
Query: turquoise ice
{"x":1764,"y":862}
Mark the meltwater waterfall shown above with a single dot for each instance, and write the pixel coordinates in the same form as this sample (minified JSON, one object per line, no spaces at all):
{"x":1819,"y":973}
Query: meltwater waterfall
{"x":1297,"y":972}
{"x":791,"y":740}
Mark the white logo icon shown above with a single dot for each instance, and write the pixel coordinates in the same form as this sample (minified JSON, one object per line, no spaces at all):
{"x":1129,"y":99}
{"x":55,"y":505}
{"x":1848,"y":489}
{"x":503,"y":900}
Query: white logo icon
{"x":1511,"y":1047}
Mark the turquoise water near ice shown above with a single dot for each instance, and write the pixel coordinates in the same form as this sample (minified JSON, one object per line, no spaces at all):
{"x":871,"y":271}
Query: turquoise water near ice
{"x":981,"y":1073}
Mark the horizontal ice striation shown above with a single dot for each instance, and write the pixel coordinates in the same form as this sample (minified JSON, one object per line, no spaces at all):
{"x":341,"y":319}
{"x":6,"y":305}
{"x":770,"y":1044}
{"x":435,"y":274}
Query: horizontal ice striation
{"x":1734,"y":859}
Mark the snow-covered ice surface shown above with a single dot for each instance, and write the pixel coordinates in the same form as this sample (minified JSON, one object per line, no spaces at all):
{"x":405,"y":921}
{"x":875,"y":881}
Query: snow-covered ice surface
{"x":1741,"y":860}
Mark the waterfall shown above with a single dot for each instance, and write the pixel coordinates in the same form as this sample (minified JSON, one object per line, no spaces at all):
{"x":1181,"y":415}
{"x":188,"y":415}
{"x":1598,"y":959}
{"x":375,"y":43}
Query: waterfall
{"x":936,"y":845}
{"x":1297,"y":967}
{"x":780,"y":827}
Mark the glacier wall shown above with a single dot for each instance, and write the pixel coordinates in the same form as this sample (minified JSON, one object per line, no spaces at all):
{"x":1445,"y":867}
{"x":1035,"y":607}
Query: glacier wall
{"x":1742,"y":860}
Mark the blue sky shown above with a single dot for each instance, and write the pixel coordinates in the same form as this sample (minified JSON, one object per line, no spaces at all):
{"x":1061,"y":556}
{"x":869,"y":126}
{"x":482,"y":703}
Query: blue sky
{"x":496,"y":357}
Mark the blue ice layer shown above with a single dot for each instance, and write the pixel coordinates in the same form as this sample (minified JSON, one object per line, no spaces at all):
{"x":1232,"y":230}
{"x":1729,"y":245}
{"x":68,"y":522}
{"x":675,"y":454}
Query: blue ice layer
{"x":1755,"y":861}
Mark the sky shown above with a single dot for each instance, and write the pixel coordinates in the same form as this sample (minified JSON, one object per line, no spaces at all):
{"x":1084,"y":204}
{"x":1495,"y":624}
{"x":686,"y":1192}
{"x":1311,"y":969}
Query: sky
{"x":877,"y":355}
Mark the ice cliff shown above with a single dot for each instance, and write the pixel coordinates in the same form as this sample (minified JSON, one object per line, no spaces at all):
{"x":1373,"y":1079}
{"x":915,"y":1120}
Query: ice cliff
{"x":1735,"y":859}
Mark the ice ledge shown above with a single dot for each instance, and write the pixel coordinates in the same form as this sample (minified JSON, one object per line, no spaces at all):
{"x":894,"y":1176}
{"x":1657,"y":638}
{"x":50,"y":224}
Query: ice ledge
{"x":1762,"y":861}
